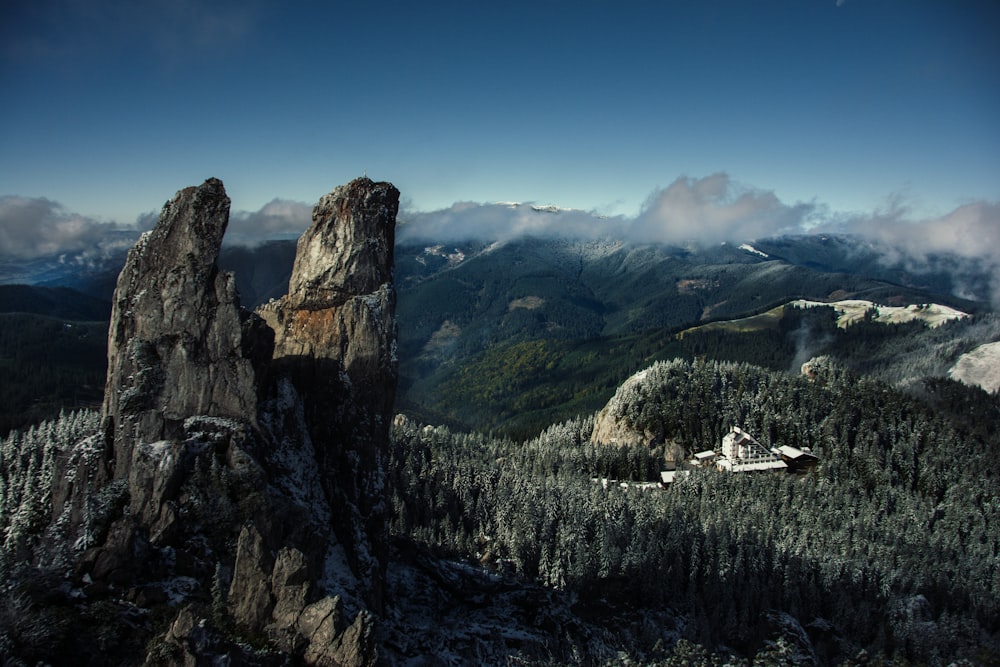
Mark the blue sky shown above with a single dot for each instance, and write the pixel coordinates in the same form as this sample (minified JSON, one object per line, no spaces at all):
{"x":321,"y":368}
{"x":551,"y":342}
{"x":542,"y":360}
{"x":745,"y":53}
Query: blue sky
{"x":110,"y":106}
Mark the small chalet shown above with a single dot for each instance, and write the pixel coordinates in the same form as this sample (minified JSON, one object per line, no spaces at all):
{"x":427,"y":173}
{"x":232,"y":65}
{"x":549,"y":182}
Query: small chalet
{"x":705,"y":458}
{"x":668,"y":477}
{"x":797,"y":459}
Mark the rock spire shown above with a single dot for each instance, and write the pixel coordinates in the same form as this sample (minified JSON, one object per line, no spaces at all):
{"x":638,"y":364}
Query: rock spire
{"x":335,"y":338}
{"x":245,"y":451}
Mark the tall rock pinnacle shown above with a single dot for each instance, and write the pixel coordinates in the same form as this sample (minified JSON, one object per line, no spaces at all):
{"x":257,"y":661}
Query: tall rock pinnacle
{"x":335,"y":337}
{"x":348,"y":250}
{"x":246,"y":451}
{"x":175,"y":346}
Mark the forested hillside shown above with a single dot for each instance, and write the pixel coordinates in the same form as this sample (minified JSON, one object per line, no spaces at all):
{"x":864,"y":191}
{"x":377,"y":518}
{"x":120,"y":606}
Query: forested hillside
{"x":518,"y":335}
{"x":48,"y":364}
{"x":515,"y":336}
{"x":521,"y":387}
{"x":888,"y":550}
{"x":891,"y":545}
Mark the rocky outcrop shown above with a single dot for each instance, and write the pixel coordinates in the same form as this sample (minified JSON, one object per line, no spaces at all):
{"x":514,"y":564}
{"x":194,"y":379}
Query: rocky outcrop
{"x":979,"y":368}
{"x":243,"y":453}
{"x":613,"y":426}
{"x":335,"y":337}
{"x":176,"y":347}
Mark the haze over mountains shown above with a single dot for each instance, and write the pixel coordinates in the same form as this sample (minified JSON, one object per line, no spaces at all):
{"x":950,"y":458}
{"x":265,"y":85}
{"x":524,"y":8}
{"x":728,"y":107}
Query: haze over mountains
{"x":41,"y":243}
{"x":477,"y":280}
{"x":477,"y":275}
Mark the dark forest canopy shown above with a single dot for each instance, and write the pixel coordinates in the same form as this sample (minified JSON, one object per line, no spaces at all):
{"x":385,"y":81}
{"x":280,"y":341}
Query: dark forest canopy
{"x":891,"y":544}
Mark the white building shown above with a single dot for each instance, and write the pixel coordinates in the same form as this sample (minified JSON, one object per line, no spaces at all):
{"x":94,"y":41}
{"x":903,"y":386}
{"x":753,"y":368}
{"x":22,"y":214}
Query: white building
{"x":742,"y":453}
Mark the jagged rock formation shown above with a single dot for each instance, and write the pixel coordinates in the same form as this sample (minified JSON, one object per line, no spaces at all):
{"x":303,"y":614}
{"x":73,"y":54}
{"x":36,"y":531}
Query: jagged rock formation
{"x":243,"y":454}
{"x":176,"y":348}
{"x":335,"y":337}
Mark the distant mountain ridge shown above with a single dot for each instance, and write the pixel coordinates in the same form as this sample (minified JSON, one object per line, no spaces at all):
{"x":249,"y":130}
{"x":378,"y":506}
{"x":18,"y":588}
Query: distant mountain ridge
{"x":470,"y":306}
{"x":263,"y":269}
{"x":475,"y":316}
{"x":61,"y":302}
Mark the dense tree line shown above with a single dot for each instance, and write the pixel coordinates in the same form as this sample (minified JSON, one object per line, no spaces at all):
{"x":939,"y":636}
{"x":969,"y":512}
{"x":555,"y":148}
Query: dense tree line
{"x":892,"y":543}
{"x":894,"y":538}
{"x":27,"y":466}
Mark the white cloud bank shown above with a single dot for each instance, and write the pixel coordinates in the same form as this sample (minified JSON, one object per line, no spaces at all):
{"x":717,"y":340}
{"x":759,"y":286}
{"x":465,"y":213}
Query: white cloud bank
{"x":277,"y":219}
{"x":715,"y":209}
{"x":31,"y":228}
{"x":964,"y":243}
{"x":971,"y":230}
{"x":502,"y":222}
{"x":689,"y":211}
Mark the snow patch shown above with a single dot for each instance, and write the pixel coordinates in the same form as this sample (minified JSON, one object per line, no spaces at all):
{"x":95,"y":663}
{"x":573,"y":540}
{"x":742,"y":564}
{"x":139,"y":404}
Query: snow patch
{"x":548,"y":208}
{"x":852,"y":311}
{"x":980,"y":367}
{"x":749,"y":248}
{"x":158,"y":449}
{"x":179,"y":589}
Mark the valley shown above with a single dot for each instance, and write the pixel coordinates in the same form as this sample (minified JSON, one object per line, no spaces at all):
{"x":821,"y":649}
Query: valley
{"x":508,"y":351}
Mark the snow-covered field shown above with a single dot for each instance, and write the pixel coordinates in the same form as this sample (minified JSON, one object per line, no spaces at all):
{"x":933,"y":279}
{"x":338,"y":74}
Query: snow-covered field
{"x":852,"y":311}
{"x":979,"y":367}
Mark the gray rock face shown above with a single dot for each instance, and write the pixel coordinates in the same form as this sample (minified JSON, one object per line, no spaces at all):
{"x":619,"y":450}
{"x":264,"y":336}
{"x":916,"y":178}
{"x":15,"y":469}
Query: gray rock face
{"x":265,"y":432}
{"x":611,"y":427}
{"x":335,"y":337}
{"x":348,"y":250}
{"x":250,"y":596}
{"x":175,"y":344}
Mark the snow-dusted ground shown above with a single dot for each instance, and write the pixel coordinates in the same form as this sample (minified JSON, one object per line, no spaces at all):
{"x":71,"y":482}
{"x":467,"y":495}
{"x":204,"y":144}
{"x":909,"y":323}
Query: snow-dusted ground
{"x":852,"y":311}
{"x":749,"y":248}
{"x":979,"y":367}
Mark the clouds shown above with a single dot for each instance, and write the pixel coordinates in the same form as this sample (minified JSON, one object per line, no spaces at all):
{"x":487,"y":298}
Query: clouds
{"x":707,"y":211}
{"x":972,"y":230}
{"x":713,"y":209}
{"x":279,"y":218}
{"x":690,"y":212}
{"x":964,"y":243}
{"x":37,"y":227}
{"x":696,"y":211}
{"x":465,"y":221}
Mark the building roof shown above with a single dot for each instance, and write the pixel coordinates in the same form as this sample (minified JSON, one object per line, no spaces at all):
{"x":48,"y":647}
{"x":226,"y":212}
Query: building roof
{"x":795,"y":453}
{"x":740,"y":435}
{"x":707,"y":454}
{"x":729,"y":466}
{"x":671,"y":476}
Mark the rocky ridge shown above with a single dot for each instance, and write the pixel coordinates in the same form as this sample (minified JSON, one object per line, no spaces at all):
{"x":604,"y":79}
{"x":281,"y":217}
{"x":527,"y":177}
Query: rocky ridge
{"x":242,"y":453}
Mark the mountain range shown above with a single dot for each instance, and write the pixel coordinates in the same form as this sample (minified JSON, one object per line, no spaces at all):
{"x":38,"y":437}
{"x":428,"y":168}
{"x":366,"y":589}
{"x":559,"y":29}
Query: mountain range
{"x":517,"y":334}
{"x":404,"y":432}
